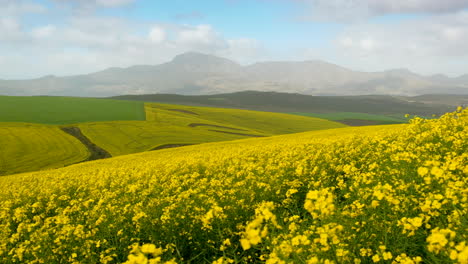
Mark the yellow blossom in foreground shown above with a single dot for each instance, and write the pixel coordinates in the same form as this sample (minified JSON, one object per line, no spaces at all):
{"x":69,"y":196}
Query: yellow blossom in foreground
{"x":389,"y":194}
{"x":320,"y":203}
{"x":438,"y":239}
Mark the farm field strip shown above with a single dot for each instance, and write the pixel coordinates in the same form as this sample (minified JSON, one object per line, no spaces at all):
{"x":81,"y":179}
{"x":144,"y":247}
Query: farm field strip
{"x":29,"y":147}
{"x":67,"y":110}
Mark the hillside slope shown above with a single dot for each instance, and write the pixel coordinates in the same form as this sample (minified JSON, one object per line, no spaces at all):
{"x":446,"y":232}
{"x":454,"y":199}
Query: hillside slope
{"x":176,"y":125}
{"x":263,"y":122}
{"x":30,"y":147}
{"x":388,"y":193}
{"x":126,"y":137}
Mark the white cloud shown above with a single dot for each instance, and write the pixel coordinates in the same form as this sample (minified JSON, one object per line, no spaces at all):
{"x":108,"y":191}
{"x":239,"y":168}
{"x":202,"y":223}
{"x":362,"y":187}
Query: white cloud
{"x":44,"y":31}
{"x":453,"y":33}
{"x":96,"y":3}
{"x":201,"y":38}
{"x":114,"y":3}
{"x":346,"y":10}
{"x":19,"y":7}
{"x":9,"y":24}
{"x":426,"y":45}
{"x":367,"y":44}
{"x":346,"y":42}
{"x":419,"y":6}
{"x":84,"y":43}
{"x":157,"y":34}
{"x":10,"y":30}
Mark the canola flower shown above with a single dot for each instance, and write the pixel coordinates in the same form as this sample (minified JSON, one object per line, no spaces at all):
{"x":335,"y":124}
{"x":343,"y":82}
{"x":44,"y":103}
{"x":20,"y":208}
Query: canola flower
{"x":385,"y":194}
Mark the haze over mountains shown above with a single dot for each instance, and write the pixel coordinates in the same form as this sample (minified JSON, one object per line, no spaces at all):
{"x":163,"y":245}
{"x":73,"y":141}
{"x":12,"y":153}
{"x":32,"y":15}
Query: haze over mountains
{"x":195,"y":73}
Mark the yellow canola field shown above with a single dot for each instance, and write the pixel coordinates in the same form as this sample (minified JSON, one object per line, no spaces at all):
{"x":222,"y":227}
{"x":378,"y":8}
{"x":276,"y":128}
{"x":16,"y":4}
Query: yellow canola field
{"x":387,"y":194}
{"x":29,"y":147}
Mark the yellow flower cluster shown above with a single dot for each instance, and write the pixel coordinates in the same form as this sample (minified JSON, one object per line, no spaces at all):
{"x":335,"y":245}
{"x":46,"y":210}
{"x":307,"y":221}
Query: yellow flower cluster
{"x":145,"y":254}
{"x":410,"y":225}
{"x":256,"y":229}
{"x":320,"y":203}
{"x":385,"y":194}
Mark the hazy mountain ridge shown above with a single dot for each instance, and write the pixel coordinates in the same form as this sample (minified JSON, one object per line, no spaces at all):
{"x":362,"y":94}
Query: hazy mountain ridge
{"x":196,"y":73}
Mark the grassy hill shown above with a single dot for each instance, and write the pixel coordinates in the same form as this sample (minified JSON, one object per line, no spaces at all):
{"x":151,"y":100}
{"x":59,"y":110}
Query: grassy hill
{"x":67,"y":110}
{"x":358,"y":119}
{"x":125,"y":137}
{"x":175,"y":125}
{"x":263,"y":122}
{"x":30,"y":147}
{"x":350,"y":195}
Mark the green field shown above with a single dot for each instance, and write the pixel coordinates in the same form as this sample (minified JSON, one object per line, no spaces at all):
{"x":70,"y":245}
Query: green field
{"x":67,"y":110}
{"x":343,"y":116}
{"x":176,"y":125}
{"x":30,"y":147}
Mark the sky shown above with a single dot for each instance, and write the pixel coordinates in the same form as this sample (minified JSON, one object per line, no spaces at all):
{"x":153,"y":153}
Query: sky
{"x":68,"y":37}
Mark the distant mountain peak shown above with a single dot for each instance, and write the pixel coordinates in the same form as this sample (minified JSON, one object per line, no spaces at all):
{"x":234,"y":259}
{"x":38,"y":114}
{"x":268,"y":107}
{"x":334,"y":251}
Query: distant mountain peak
{"x":401,"y":71}
{"x":318,"y":62}
{"x":200,"y":62}
{"x":438,"y":75}
{"x":47,"y":77}
{"x":193,"y":56}
{"x":201,"y":73}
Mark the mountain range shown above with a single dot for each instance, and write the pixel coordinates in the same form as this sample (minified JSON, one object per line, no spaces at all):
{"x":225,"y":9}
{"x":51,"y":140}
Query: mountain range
{"x":197,"y":74}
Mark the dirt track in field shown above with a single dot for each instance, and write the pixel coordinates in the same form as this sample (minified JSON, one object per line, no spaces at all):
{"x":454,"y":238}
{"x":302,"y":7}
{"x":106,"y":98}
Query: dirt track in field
{"x":165,"y":146}
{"x":96,"y":151}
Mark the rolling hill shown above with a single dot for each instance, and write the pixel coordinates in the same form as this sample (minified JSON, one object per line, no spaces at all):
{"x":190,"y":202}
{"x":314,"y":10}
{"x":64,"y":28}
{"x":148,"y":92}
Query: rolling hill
{"x":30,"y":147}
{"x":176,"y":125}
{"x":165,"y":126}
{"x":195,"y":73}
{"x":267,"y":123}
